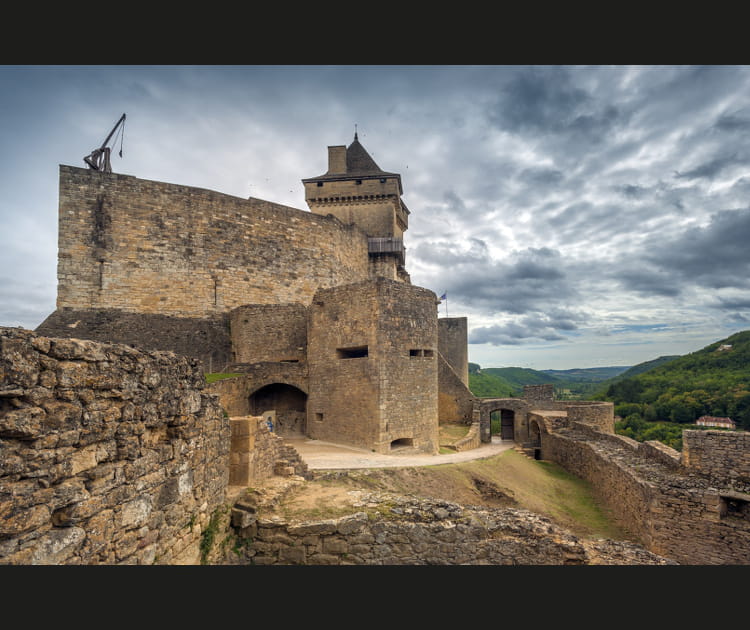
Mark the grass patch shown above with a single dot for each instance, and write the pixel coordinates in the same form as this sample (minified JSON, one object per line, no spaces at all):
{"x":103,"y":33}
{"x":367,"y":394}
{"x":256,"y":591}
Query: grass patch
{"x":217,"y":376}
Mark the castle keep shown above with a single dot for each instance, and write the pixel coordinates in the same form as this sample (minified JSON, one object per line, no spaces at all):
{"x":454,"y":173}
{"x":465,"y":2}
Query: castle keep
{"x":314,"y":308}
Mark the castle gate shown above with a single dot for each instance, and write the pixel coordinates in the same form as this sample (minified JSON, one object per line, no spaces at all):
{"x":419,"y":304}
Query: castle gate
{"x":512,"y":418}
{"x":283,"y":406}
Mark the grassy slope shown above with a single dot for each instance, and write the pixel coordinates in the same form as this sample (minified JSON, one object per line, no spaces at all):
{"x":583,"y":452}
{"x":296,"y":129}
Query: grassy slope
{"x":506,"y":480}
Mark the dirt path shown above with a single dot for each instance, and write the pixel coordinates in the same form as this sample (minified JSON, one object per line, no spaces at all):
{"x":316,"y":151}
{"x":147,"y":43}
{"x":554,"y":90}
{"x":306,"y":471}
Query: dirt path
{"x":327,"y":456}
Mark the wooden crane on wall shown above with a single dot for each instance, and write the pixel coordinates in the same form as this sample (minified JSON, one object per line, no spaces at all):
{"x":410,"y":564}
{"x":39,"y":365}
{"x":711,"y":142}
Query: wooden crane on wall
{"x":98,"y":159}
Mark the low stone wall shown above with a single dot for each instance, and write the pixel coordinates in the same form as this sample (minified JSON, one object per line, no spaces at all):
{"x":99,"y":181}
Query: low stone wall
{"x":671,"y":510}
{"x":108,"y":455}
{"x":471,"y":440}
{"x":394,"y":530}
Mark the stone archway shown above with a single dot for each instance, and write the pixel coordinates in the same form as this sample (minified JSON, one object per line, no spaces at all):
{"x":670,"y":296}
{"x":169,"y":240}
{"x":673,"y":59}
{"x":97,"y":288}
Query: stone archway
{"x":284,"y":406}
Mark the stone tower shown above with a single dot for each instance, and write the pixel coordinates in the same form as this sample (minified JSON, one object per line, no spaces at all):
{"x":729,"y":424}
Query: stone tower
{"x":357,"y":191}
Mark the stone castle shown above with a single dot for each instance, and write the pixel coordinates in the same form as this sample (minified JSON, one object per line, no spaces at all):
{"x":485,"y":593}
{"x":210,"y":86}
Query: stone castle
{"x":114,"y":450}
{"x":315,"y":308}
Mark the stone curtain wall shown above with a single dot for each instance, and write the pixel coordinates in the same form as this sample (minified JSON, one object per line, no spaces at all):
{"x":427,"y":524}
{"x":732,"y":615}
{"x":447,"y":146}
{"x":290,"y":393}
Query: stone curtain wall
{"x":108,"y":455}
{"x":674,"y":511}
{"x":152,"y":247}
{"x":453,"y":345}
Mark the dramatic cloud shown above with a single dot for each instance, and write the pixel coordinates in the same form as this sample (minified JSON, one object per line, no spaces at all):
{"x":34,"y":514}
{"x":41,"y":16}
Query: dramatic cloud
{"x":576,"y":215}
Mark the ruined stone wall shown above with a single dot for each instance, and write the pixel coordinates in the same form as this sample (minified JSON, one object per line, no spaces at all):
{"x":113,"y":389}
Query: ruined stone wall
{"x":152,"y":247}
{"x":453,"y":345}
{"x":258,"y":454}
{"x":673,"y":511}
{"x":394,"y":530}
{"x":269,"y":332}
{"x":205,"y":339}
{"x":108,"y":455}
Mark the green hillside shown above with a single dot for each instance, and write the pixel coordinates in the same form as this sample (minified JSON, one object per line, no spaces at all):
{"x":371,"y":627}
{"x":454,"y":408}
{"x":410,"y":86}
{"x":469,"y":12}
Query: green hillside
{"x":713,"y":381}
{"x":486,"y":385}
{"x":518,"y":377}
{"x":586,"y":375}
{"x":644,"y":367}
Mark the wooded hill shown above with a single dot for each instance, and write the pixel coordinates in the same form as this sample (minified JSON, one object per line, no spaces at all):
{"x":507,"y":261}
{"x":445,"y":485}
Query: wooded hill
{"x":714,"y":381}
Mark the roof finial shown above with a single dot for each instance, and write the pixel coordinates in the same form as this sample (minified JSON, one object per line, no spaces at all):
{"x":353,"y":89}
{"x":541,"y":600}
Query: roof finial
{"x":355,"y":131}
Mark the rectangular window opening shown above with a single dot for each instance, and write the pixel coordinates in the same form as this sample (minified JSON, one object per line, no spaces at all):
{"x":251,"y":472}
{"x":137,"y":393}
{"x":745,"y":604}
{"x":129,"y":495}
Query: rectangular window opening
{"x":351,"y":353}
{"x":421,"y":352}
{"x":318,"y":417}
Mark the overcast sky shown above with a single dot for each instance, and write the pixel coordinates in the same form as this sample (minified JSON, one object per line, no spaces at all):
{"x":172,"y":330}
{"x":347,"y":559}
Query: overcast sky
{"x":577,"y":216}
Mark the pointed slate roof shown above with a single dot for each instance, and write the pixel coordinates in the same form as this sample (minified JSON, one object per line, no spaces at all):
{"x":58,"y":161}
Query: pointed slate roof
{"x":359,"y":164}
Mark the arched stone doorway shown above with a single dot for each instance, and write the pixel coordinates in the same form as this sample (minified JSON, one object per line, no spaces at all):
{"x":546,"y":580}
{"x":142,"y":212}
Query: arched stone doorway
{"x":285,"y":406}
{"x":502,"y":423}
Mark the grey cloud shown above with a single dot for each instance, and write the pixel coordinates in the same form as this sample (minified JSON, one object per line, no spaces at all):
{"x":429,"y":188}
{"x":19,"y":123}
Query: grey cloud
{"x":541,"y":176}
{"x":735,"y":122}
{"x":715,"y":256}
{"x":535,"y":326}
{"x":713,"y":167}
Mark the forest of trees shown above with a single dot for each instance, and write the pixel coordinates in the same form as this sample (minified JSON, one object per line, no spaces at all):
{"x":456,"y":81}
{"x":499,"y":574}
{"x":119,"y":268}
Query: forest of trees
{"x":714,"y":381}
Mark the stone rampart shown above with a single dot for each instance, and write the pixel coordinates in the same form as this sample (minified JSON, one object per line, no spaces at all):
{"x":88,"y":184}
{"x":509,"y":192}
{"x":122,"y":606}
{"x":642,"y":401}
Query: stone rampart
{"x":152,"y":247}
{"x":674,"y":511}
{"x":108,"y":455}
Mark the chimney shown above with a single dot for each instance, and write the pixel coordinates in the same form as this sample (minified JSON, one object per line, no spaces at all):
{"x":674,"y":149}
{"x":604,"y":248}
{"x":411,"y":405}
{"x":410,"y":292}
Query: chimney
{"x":337,"y":160}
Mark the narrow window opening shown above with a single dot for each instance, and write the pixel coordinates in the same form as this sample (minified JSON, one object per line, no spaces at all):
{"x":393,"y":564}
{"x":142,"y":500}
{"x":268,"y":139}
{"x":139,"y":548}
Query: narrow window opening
{"x":734,"y":507}
{"x":359,"y":181}
{"x":352,"y":353}
{"x":415,"y":353}
{"x":320,"y":184}
{"x":318,"y":417}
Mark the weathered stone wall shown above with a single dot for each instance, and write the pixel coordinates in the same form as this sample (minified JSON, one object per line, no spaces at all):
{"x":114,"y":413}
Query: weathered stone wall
{"x":269,"y":332}
{"x":394,"y":530}
{"x":152,"y":247}
{"x":108,"y":455}
{"x":720,"y":455}
{"x":390,"y":392}
{"x":205,"y":339}
{"x":453,"y":345}
{"x":676,"y":512}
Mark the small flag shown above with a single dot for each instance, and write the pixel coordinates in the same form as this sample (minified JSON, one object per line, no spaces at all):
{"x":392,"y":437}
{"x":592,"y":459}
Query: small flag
{"x":444,"y":296}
